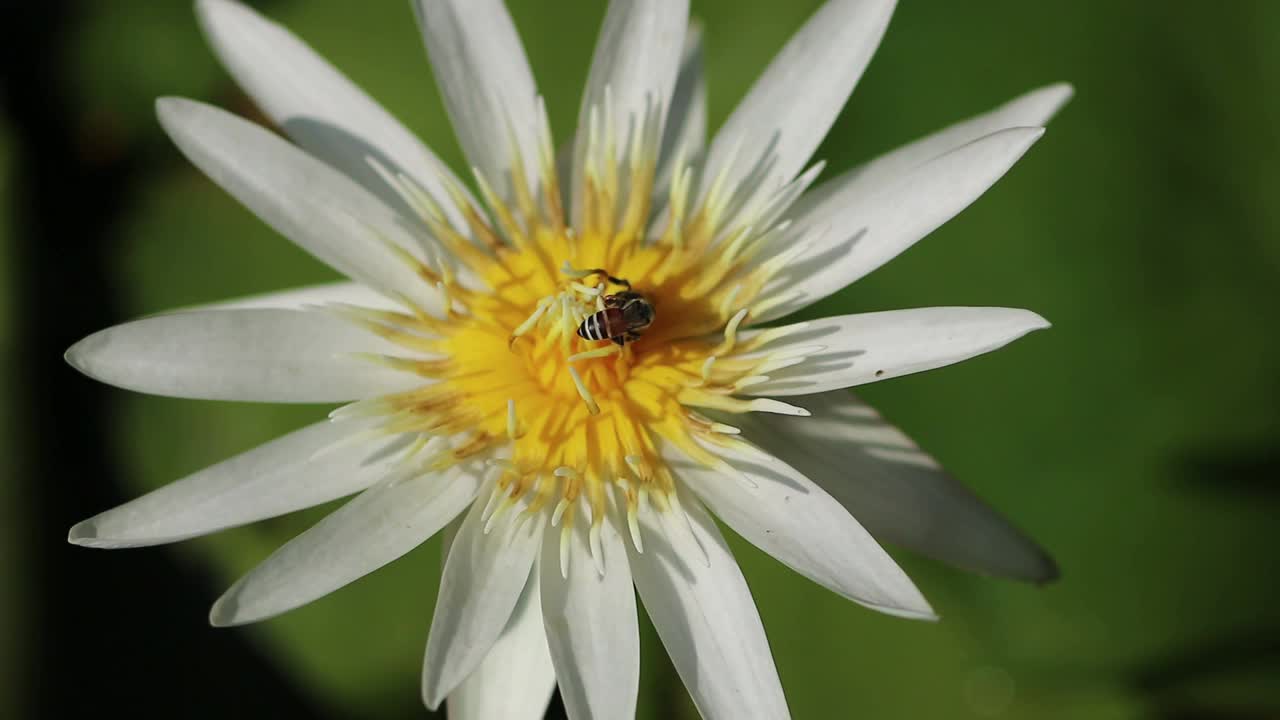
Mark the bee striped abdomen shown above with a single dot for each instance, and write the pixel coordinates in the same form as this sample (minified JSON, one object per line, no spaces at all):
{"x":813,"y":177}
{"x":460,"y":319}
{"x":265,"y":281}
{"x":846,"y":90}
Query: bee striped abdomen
{"x":602,"y":325}
{"x":624,"y":317}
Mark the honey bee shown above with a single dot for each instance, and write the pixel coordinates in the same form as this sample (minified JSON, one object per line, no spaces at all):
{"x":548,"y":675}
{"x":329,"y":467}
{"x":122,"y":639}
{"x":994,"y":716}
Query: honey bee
{"x":625,"y":315}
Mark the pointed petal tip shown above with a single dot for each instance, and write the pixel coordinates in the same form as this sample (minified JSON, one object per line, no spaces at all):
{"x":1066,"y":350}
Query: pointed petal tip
{"x":173,"y":111}
{"x":222,"y":614}
{"x":1042,"y":569}
{"x":218,"y":615}
{"x":86,"y":355}
{"x":1017,"y":322}
{"x":170,"y":110}
{"x":228,"y":612}
{"x":1035,"y":567}
{"x":168,"y":103}
{"x":214,"y":14}
{"x":75,"y":356}
{"x":1025,"y":135}
{"x":1026,"y":562}
{"x":89,"y":534}
{"x":1051,"y":573}
{"x":1061,"y":92}
{"x":84,"y":533}
{"x":1035,"y":321}
{"x":906,"y":602}
{"x":918,"y":611}
{"x":1023,"y":324}
{"x":435,"y":685}
{"x":433,"y":690}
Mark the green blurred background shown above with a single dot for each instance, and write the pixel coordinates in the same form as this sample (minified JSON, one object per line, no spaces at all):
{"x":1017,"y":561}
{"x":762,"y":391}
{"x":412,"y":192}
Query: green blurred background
{"x":1138,"y":440}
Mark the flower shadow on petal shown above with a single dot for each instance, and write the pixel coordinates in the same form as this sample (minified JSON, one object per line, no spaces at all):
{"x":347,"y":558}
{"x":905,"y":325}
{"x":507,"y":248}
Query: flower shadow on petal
{"x":756,"y":177}
{"x":765,"y":472}
{"x":353,"y":156}
{"x":390,"y":449}
{"x":797,"y":272}
{"x":819,"y":364}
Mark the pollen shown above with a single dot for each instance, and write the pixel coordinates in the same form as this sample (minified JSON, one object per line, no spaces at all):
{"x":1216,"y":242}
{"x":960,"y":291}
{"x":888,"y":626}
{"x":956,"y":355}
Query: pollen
{"x":577,"y":430}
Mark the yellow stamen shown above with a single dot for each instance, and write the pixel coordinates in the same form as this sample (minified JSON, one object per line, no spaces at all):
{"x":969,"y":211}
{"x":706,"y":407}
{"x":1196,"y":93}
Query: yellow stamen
{"x":513,"y":423}
{"x":565,"y":424}
{"x":605,"y":351}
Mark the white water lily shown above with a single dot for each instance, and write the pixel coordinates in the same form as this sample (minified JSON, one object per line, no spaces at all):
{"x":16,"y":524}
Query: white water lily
{"x":563,"y":472}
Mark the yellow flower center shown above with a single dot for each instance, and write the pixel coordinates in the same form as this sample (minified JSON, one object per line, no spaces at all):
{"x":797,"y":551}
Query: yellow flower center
{"x":567,"y":418}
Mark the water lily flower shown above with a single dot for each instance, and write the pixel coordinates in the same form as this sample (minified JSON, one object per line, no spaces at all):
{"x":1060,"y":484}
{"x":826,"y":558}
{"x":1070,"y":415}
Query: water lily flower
{"x":566,"y":365}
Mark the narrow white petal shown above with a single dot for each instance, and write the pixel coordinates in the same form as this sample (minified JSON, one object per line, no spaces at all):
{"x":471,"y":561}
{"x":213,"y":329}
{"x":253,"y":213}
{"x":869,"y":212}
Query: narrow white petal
{"x":488,"y":89}
{"x":853,"y":231}
{"x":865,"y":348}
{"x":308,"y":467}
{"x":637,"y":58}
{"x":786,"y":515}
{"x":248,"y":355}
{"x":307,"y":201}
{"x":1033,"y":109}
{"x":686,"y":127}
{"x":705,"y":616}
{"x":342,"y":292}
{"x":591,"y":625}
{"x":777,"y":126}
{"x":516,"y":679}
{"x":480,"y":589}
{"x":898,"y":492}
{"x":376,"y":527}
{"x":318,"y":106}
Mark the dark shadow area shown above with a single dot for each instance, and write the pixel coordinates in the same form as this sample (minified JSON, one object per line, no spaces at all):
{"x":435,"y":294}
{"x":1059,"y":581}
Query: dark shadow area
{"x":92,"y":643}
{"x":1212,"y":713}
{"x":1249,"y":472}
{"x":1255,"y":652}
{"x":1252,"y":650}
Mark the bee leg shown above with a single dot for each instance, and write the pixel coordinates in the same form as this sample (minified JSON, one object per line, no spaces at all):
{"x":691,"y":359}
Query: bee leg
{"x":616,"y":281}
{"x":620,"y":340}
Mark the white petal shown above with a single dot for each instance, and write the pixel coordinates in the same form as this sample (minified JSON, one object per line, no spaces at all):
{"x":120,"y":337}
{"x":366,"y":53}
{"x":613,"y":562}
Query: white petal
{"x":307,"y":201}
{"x":343,"y":292}
{"x":853,"y":231}
{"x":777,"y":126}
{"x":488,"y":89}
{"x":899,"y":493}
{"x":516,"y":679}
{"x":248,"y":355}
{"x":319,"y":107}
{"x":314,"y":465}
{"x":865,"y":348}
{"x":686,"y":127}
{"x":376,"y":527}
{"x":797,"y":522}
{"x":706,"y":618}
{"x":1033,"y":109}
{"x":637,"y":57}
{"x":591,"y":624}
{"x":479,"y":590}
